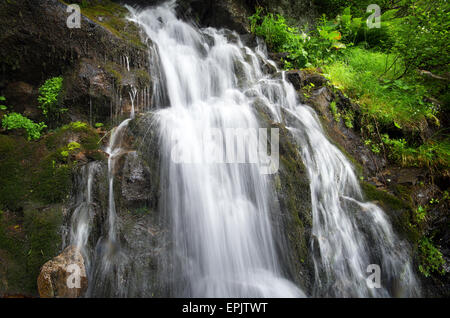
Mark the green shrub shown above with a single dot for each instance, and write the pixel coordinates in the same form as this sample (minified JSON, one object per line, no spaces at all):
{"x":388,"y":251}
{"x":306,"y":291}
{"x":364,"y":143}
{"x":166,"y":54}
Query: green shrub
{"x":50,"y":99}
{"x":280,"y":37}
{"x":18,"y":121}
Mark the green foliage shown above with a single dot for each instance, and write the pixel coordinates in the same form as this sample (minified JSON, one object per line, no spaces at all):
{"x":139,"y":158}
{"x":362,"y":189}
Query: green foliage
{"x":73,"y":146}
{"x":420,"y":214}
{"x":431,"y":259}
{"x":348,"y":119}
{"x":420,"y":30}
{"x":364,"y":76}
{"x":77,"y":126}
{"x":335,"y":112}
{"x":433,"y":153}
{"x":383,"y":81}
{"x":18,"y":121}
{"x":3,"y":107}
{"x":99,"y":125}
{"x":50,"y":99}
{"x":280,"y":37}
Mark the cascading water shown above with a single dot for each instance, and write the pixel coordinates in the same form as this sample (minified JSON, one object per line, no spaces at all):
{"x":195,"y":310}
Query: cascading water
{"x":81,"y":221}
{"x":221,"y":231}
{"x":349,"y":235}
{"x":219,"y":213}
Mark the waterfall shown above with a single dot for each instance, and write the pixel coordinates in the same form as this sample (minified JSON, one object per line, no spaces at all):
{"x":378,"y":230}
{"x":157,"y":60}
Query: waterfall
{"x":133,"y":94}
{"x":83,"y":213}
{"x":219,"y":213}
{"x":349,"y":234}
{"x":217,"y":195}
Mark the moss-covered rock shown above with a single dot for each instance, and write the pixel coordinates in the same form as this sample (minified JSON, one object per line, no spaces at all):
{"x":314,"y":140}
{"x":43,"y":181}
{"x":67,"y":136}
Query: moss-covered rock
{"x":26,"y":243}
{"x":35,"y":183}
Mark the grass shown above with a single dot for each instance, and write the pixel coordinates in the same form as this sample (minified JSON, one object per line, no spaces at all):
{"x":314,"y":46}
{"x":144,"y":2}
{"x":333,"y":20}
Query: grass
{"x":390,"y":105}
{"x":365,"y":76}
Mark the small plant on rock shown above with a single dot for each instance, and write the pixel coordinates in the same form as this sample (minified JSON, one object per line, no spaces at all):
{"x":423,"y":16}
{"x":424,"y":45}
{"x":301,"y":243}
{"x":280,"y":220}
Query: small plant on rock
{"x":18,"y":121}
{"x":50,"y":99}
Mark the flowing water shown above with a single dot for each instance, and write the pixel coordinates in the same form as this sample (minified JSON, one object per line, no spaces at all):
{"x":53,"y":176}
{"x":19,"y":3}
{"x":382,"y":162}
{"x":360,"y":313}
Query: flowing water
{"x":219,"y":214}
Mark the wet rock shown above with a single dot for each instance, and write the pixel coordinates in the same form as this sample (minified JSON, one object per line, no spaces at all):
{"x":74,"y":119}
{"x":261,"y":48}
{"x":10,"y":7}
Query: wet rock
{"x":136,"y":181}
{"x":278,"y":57}
{"x":347,"y":139}
{"x":296,"y":78}
{"x":22,"y":97}
{"x":58,"y":277}
{"x":316,"y":79}
{"x":231,"y":14}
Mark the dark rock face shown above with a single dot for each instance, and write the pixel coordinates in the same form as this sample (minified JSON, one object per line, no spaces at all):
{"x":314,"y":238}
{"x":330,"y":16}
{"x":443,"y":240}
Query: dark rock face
{"x":23,"y":93}
{"x":136,"y":184}
{"x":295,"y":213}
{"x":297,"y":12}
{"x":292,"y":217}
{"x":37,"y":45}
{"x":231,"y":14}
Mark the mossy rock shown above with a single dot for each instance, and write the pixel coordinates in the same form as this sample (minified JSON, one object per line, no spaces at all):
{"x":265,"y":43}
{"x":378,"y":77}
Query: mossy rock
{"x":26,"y":243}
{"x":111,"y":16}
{"x":398,"y":210}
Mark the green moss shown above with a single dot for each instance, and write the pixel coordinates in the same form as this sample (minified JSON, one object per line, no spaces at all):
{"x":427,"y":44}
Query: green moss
{"x":114,"y":70}
{"x":87,"y":136}
{"x":52,"y":183}
{"x":431,"y":260}
{"x":112,"y":16}
{"x":18,"y":158}
{"x":26,"y":243}
{"x":386,"y":200}
{"x":142,"y":77}
{"x":401,"y":212}
{"x":293,"y":184}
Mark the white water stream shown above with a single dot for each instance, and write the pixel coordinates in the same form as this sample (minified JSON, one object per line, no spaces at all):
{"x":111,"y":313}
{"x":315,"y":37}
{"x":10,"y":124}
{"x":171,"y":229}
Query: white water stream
{"x":220,"y":213}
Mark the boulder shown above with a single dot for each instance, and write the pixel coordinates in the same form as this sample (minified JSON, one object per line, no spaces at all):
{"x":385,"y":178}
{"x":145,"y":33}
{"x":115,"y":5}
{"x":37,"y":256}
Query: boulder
{"x":64,"y":276}
{"x":296,"y":77}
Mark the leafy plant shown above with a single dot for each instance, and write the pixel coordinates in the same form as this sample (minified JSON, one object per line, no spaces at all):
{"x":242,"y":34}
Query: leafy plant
{"x":420,"y":214}
{"x":78,"y":125}
{"x":335,"y":112}
{"x":3,"y":107}
{"x":73,"y":146}
{"x":18,"y":121}
{"x":431,"y":258}
{"x":49,"y":99}
{"x":280,"y":37}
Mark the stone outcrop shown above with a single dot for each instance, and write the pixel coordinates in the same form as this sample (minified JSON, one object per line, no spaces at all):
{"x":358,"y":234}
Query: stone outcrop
{"x":99,"y":63}
{"x":64,"y":276}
